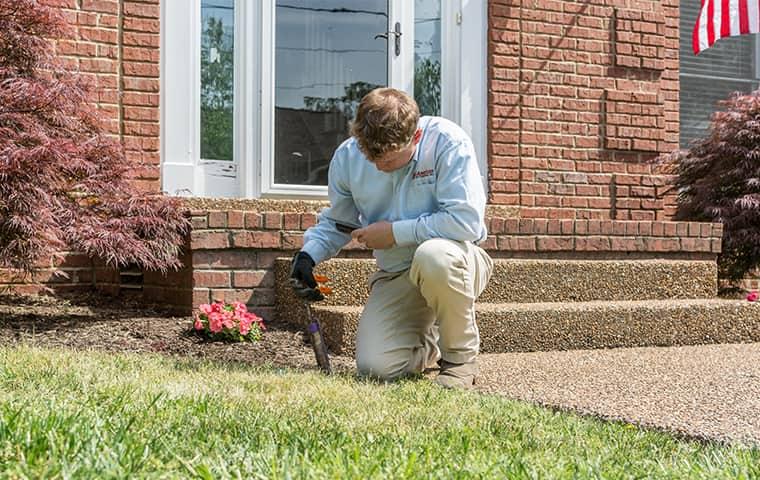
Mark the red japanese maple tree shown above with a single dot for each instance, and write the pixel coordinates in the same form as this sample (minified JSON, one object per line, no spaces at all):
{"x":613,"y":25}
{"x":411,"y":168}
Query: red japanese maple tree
{"x":63,"y":181}
{"x":718,"y":180}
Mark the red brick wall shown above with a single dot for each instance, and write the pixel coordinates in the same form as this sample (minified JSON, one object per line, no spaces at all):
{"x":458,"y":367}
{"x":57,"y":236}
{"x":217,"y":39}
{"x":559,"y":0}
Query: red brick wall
{"x":73,"y":272}
{"x":581,"y":95}
{"x":115,"y":44}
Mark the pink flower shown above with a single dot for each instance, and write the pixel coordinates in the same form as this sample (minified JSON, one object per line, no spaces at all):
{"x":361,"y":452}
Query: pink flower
{"x":244,"y":329}
{"x":223,"y":317}
{"x":752,"y":296}
{"x":198,"y":325}
{"x":227,"y":318}
{"x":215,"y":322}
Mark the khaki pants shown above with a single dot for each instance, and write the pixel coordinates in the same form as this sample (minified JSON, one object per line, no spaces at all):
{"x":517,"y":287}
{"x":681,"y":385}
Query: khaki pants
{"x":414,"y":317}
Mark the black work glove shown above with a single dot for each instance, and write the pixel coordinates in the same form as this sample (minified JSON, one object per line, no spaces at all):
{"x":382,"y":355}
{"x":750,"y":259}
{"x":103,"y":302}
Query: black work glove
{"x":302,"y":278}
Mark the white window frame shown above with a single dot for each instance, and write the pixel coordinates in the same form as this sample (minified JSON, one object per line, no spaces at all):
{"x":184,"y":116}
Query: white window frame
{"x":470,"y":98}
{"x":178,"y":151}
{"x":251,"y":173}
{"x":183,"y":171}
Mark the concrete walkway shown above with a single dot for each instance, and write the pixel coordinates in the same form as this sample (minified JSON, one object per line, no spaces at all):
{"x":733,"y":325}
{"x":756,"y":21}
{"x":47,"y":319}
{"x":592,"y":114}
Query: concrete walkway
{"x":703,"y":391}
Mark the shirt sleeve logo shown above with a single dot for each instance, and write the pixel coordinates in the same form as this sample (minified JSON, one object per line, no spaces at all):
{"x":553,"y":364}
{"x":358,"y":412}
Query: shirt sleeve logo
{"x":422,"y":174}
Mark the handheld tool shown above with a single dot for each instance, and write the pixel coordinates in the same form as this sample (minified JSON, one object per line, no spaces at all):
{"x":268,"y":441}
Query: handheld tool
{"x":317,"y":341}
{"x":313,"y":328}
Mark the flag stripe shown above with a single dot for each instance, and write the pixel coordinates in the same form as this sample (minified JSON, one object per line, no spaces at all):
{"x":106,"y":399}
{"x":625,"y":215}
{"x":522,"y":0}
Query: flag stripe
{"x":743,"y":17}
{"x":695,"y":33}
{"x":717,"y":20}
{"x":734,"y":16}
{"x":753,"y":14}
{"x":725,"y":18}
{"x":709,"y":21}
{"x":700,"y":30}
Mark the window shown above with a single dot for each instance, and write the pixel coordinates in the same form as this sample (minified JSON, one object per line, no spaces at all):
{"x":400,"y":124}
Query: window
{"x":217,"y":79}
{"x":327,"y":57}
{"x":427,"y":56}
{"x":728,"y":66}
{"x":256,"y":96}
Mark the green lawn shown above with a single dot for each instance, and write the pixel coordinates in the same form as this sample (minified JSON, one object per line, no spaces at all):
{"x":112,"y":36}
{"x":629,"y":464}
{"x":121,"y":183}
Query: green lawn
{"x":94,"y":415}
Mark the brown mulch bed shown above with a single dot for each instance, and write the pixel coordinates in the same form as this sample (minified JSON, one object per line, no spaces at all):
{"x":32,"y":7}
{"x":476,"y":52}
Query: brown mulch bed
{"x":94,"y":322}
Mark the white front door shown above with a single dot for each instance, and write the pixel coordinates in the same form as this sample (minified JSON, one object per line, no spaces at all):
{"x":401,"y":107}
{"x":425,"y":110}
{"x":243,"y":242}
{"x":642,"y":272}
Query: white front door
{"x":257,"y":95}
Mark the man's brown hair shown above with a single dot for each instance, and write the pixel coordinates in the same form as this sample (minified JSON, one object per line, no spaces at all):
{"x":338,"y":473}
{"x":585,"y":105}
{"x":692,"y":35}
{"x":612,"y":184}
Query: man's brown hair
{"x":385,"y":121}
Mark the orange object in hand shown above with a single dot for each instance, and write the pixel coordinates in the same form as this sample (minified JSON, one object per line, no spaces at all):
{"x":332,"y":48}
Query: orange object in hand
{"x":321,"y":278}
{"x":324,"y":290}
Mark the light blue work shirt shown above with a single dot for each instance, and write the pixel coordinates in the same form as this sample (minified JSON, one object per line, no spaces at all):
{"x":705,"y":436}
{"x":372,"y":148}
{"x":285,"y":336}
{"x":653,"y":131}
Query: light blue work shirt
{"x":438,"y":194}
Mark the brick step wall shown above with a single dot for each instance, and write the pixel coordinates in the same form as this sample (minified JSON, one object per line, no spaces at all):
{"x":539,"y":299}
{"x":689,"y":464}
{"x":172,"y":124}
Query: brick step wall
{"x":234,"y":252}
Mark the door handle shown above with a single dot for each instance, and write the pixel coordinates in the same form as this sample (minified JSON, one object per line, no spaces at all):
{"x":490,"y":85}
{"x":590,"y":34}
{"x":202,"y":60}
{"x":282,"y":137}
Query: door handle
{"x":396,"y":37}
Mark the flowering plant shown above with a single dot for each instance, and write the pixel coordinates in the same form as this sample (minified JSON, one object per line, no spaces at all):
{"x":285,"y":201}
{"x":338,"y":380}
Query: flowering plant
{"x":228,"y":321}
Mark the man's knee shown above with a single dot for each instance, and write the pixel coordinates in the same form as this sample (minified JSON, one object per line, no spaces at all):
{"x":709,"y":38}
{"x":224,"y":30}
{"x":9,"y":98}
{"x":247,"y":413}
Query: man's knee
{"x":380,"y":366}
{"x":435,"y":258}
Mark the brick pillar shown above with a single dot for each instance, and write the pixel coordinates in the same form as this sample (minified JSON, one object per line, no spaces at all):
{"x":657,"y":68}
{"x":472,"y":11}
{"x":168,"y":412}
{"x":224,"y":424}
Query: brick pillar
{"x":581,"y":97}
{"x":115,"y":45}
{"x":504,"y":107}
{"x":140,"y":43}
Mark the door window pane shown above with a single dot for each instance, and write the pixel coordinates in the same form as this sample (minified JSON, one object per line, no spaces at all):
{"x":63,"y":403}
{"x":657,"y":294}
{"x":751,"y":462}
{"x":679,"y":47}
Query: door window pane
{"x":427,"y":56}
{"x":326,"y":60}
{"x":217,"y":77}
{"x":726,"y":67}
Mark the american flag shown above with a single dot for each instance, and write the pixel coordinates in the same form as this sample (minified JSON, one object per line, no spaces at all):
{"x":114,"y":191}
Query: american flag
{"x":724,"y":18}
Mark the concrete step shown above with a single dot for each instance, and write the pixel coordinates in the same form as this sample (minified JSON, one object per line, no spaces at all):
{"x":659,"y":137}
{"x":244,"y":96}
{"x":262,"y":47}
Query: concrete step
{"x":522,"y":280}
{"x":521,"y":327}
